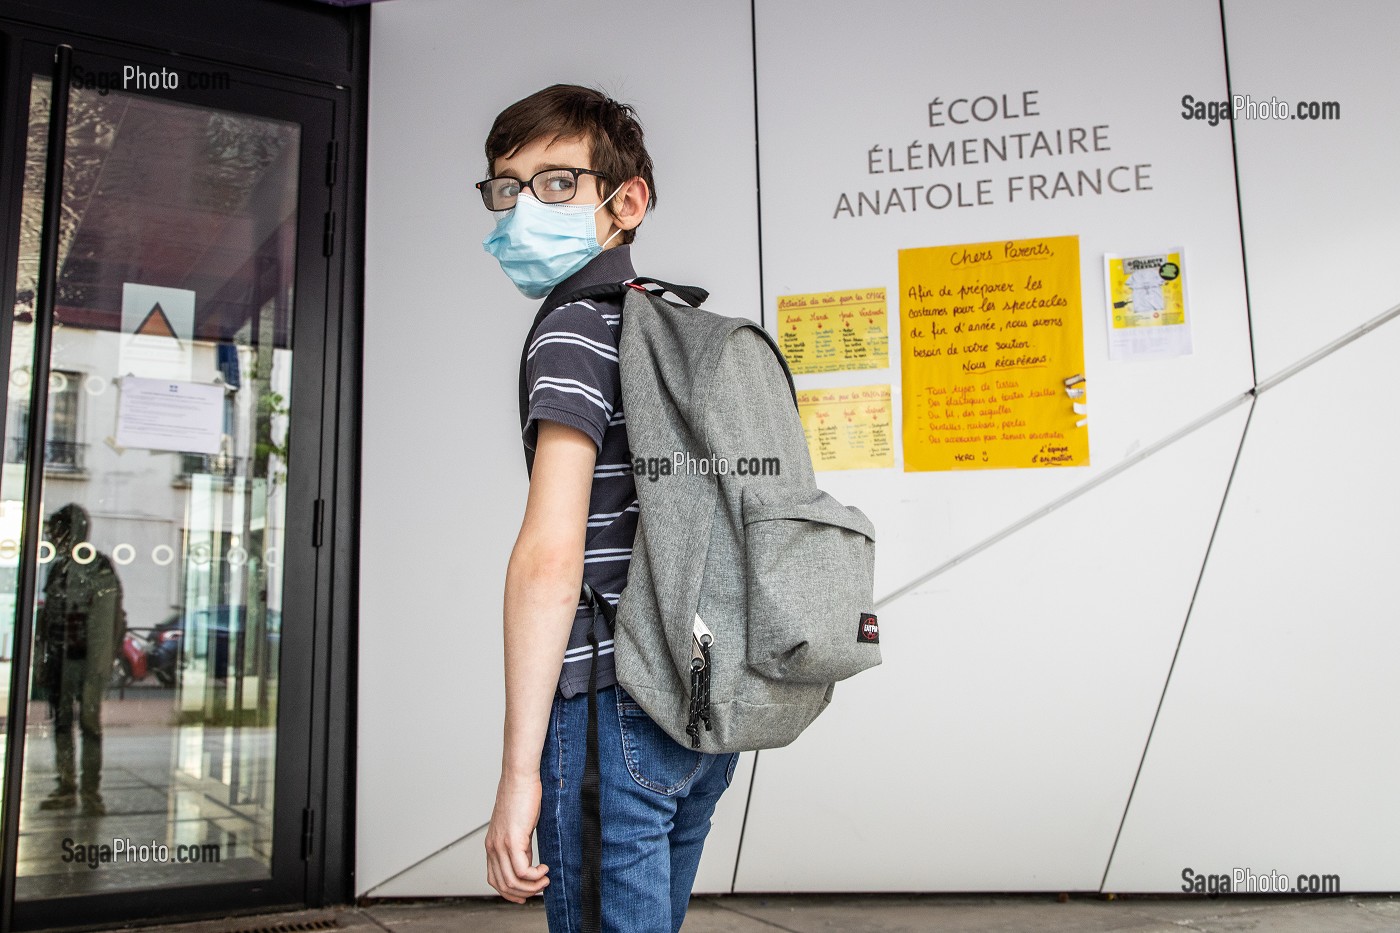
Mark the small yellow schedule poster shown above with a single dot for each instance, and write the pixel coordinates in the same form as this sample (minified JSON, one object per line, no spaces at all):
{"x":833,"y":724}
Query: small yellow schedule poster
{"x":848,"y":428}
{"x":830,"y":332}
{"x":990,"y":334}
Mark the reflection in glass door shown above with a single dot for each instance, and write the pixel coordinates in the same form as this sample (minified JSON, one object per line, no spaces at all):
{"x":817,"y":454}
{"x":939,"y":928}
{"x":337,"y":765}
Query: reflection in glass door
{"x":150,"y":744}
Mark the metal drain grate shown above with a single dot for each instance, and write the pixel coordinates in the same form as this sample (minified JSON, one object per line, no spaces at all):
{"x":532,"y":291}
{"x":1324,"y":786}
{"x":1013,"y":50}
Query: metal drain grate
{"x":329,"y":923}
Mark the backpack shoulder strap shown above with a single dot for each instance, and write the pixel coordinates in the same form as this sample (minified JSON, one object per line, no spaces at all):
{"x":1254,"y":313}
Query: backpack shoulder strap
{"x":692,"y":295}
{"x":524,"y":353}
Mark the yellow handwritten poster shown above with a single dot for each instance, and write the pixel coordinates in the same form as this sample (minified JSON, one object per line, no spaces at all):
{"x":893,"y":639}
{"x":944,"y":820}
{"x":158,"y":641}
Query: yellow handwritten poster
{"x":1146,"y":306}
{"x":991,"y":339}
{"x":830,"y":332}
{"x":848,"y":428}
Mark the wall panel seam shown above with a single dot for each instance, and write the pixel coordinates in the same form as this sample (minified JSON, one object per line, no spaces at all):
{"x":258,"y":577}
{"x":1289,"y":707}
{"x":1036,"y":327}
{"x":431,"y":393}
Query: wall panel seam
{"x":1176,"y":653}
{"x":1068,"y":497}
{"x":369,"y":892}
{"x":1272,"y":382}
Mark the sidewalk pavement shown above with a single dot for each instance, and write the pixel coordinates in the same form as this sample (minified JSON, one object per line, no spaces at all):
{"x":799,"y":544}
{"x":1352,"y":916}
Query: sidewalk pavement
{"x":878,"y":913}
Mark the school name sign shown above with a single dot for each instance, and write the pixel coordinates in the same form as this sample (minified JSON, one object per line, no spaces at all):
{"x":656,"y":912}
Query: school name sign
{"x":989,"y":130}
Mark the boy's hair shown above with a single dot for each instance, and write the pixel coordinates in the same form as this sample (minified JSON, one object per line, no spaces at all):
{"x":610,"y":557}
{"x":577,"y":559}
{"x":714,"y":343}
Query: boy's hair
{"x":564,"y":111}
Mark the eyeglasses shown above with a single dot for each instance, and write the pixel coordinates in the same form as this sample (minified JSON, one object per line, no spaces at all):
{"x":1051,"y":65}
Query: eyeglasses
{"x":551,"y":186}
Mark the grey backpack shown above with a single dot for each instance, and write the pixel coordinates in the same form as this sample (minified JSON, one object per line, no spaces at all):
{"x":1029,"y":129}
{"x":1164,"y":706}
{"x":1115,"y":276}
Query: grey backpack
{"x":750,"y":591}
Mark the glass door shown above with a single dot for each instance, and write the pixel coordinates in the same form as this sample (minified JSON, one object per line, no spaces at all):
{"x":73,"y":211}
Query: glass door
{"x":165,"y":735}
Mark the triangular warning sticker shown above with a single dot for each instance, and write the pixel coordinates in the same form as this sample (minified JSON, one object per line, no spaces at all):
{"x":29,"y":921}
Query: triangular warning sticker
{"x":156,"y":324}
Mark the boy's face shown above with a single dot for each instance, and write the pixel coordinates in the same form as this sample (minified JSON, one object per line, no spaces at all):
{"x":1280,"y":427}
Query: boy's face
{"x":575,"y":152}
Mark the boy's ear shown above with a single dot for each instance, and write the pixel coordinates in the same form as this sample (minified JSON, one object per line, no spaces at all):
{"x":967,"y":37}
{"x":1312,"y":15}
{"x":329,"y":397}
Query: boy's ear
{"x":629,"y":207}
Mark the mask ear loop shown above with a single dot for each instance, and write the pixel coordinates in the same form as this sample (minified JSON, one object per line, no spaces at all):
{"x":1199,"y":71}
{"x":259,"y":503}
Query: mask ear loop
{"x":604,"y":204}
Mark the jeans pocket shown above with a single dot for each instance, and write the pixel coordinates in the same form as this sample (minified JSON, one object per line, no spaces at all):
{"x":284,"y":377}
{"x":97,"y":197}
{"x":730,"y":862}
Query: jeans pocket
{"x":654,"y":759}
{"x":729,"y":771}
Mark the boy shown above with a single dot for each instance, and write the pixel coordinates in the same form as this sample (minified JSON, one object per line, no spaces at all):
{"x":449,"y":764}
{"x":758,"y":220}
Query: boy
{"x":570,"y":181}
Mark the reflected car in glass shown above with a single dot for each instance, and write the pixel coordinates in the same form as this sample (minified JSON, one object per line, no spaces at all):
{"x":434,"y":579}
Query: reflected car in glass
{"x":204,"y":636}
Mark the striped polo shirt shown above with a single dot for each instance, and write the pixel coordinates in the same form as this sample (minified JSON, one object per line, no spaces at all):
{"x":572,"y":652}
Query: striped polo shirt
{"x":572,"y":377}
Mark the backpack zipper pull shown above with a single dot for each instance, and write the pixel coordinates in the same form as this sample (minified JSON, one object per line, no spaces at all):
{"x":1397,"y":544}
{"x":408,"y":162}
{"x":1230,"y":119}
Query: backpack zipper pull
{"x":700,"y":641}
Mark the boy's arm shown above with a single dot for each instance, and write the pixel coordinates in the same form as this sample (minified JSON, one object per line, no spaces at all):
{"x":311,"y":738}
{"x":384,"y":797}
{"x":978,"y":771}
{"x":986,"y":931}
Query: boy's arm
{"x":542,"y":594}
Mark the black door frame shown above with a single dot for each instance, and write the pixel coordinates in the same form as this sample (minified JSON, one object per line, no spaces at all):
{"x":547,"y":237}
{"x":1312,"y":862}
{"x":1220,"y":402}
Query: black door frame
{"x":317,"y":699}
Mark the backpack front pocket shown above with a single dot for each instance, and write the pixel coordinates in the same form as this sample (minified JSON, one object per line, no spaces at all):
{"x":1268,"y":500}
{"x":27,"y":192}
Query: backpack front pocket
{"x":811,"y":580}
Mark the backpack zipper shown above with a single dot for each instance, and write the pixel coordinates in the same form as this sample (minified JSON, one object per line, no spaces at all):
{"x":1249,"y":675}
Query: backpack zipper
{"x":700,"y":641}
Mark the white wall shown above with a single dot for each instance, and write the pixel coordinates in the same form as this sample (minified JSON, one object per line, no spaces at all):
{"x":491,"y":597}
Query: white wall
{"x":1319,"y":198}
{"x":995,"y":748}
{"x":1003,"y":733}
{"x":1266,"y":754}
{"x":999,"y":746}
{"x":821,"y":108}
{"x":443,"y":475}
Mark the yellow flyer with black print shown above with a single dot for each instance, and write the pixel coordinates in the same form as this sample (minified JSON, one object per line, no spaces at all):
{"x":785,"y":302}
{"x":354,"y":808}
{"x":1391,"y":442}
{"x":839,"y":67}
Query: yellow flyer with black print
{"x":992,"y":347}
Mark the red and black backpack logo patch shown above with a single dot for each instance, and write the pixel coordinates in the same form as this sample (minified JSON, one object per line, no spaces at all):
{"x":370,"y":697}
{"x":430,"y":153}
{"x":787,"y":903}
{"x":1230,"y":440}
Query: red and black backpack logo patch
{"x":869,"y":630}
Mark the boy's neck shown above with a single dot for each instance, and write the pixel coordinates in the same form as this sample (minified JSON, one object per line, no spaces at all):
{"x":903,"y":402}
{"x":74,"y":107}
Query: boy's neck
{"x":611,"y":265}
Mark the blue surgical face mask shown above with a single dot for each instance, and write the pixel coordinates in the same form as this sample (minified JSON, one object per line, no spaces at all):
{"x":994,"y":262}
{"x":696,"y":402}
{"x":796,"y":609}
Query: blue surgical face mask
{"x":540,"y":245}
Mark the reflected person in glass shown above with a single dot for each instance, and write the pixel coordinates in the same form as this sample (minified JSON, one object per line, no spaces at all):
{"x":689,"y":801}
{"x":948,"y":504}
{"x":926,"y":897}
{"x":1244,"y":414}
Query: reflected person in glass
{"x":77,"y":633}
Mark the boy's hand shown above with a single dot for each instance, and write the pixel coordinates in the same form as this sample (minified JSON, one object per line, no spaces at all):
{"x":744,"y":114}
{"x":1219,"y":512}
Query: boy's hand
{"x":509,"y":858}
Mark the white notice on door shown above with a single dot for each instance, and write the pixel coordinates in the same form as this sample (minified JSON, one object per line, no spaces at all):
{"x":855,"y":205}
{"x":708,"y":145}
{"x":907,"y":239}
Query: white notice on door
{"x":161,"y":415}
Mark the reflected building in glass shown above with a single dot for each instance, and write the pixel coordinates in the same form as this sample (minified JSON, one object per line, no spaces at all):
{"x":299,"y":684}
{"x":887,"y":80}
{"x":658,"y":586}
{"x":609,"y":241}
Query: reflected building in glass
{"x":168,"y":428}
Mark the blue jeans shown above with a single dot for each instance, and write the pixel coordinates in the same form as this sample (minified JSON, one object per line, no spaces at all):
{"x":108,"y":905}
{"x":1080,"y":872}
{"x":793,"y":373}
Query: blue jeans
{"x":656,"y":797}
